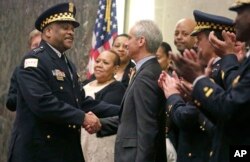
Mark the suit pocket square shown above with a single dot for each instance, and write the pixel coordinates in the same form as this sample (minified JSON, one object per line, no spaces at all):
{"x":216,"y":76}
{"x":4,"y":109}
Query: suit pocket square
{"x":129,"y":142}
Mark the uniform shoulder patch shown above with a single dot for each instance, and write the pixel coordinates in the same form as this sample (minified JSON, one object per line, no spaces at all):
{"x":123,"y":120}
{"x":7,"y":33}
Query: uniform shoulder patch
{"x":30,"y":62}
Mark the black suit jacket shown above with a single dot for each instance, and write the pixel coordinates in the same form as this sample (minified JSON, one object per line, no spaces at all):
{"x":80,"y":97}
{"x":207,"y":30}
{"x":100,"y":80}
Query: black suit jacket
{"x":50,"y":110}
{"x":141,"y":131}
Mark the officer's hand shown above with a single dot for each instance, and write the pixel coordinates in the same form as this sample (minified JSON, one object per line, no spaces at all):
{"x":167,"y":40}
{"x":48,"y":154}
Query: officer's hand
{"x":186,"y":89}
{"x":209,"y":68}
{"x":187,"y":65}
{"x":170,"y":85}
{"x":91,"y":123}
{"x":223,"y":47}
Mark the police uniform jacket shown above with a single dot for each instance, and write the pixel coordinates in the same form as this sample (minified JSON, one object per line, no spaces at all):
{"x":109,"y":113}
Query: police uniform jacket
{"x":12,"y":94}
{"x":49,"y":115}
{"x":195,"y":131}
{"x":199,"y":129}
{"x":231,"y":106}
{"x":224,"y":70}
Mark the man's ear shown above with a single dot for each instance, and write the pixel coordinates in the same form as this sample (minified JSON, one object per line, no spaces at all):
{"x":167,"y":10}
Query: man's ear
{"x":142,"y":41}
{"x":48,"y":31}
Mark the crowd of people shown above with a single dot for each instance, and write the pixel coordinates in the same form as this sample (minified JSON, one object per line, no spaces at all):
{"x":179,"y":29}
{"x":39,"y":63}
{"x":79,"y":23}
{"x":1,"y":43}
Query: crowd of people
{"x":143,"y":103}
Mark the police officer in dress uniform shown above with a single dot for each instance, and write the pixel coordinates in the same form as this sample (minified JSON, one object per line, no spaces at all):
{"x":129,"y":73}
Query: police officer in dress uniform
{"x":231,"y":105}
{"x":196,"y":130}
{"x":205,"y":24}
{"x":50,"y":106}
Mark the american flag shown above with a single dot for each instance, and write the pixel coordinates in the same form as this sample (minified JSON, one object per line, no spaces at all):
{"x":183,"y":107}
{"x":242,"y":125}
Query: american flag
{"x":104,"y":32}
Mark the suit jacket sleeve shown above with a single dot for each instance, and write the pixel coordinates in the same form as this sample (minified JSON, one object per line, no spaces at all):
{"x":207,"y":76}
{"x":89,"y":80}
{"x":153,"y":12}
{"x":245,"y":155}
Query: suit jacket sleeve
{"x":100,"y":108}
{"x":109,"y":126}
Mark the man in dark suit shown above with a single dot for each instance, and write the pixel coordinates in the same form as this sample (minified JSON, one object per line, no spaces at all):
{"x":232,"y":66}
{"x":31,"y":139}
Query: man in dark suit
{"x":230,"y":105}
{"x":50,"y":106}
{"x":141,"y":124}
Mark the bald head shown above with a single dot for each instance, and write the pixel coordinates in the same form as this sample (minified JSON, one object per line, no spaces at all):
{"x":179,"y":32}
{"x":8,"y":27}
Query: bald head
{"x":182,"y":38}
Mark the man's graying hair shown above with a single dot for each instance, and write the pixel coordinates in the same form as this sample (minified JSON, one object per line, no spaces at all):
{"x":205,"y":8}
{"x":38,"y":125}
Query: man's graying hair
{"x":151,"y":32}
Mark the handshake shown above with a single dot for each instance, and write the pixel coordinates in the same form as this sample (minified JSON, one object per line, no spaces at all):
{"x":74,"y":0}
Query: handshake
{"x":91,"y":123}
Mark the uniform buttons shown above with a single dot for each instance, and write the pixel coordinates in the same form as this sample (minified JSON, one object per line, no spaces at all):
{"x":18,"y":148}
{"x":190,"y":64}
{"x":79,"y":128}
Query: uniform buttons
{"x":202,"y":128}
{"x":167,"y":129}
{"x":211,"y":153}
{"x":48,"y":136}
{"x":170,"y":107}
{"x":205,"y":89}
{"x":189,"y":154}
{"x":61,"y":88}
{"x":69,"y":126}
{"x":74,"y":126}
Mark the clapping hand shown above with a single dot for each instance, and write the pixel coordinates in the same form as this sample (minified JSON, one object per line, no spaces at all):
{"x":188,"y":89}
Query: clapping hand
{"x":188,"y":66}
{"x":186,"y":89}
{"x":208,"y":69}
{"x":91,"y":123}
{"x":169,"y":84}
{"x":226,"y":46}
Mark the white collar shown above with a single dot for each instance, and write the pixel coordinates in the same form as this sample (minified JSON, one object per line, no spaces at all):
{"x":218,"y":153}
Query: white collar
{"x":59,"y":54}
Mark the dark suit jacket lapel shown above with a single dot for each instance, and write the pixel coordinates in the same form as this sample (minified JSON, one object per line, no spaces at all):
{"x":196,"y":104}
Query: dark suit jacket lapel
{"x":130,"y":86}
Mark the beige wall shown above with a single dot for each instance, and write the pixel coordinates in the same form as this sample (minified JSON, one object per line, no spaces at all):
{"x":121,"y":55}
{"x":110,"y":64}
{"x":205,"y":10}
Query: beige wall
{"x":168,"y":12}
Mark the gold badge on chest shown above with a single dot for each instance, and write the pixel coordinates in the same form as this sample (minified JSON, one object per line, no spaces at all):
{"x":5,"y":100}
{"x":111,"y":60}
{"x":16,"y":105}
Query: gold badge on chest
{"x":60,"y":75}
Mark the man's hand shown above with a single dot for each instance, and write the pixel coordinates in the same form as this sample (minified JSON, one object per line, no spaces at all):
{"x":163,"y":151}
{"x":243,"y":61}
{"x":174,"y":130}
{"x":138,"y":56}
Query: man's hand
{"x":223,"y":47}
{"x":240,"y":50}
{"x":186,"y":89}
{"x":162,"y":79}
{"x":91,"y":123}
{"x":208,"y":69}
{"x":188,"y":66}
{"x":169,"y":84}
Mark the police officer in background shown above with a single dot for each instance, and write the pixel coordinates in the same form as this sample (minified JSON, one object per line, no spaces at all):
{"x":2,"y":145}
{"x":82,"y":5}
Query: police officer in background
{"x":230,"y":105}
{"x":33,"y":42}
{"x":50,"y":106}
{"x":196,"y":128}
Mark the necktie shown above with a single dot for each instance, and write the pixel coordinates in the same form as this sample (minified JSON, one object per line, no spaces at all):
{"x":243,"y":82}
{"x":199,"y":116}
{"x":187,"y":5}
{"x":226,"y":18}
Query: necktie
{"x":132,"y":74}
{"x":68,"y":66}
